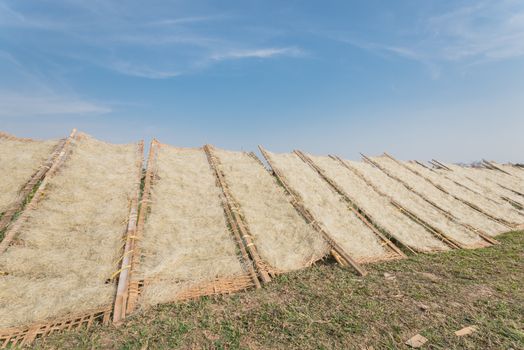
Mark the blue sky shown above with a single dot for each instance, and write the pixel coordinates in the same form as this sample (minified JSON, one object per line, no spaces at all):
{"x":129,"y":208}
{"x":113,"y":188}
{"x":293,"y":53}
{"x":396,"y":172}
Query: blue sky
{"x":419,"y":79}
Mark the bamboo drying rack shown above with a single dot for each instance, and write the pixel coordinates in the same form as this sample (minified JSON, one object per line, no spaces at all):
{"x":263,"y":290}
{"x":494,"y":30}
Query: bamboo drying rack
{"x":234,"y":213}
{"x":402,"y":209}
{"x":397,"y":253}
{"x":337,"y":251}
{"x":468,"y":203}
{"x":511,"y":201}
{"x":16,"y":225}
{"x":487,"y":239}
{"x":136,"y":285}
{"x":447,"y":170}
{"x":26,"y":335}
{"x":39,"y":175}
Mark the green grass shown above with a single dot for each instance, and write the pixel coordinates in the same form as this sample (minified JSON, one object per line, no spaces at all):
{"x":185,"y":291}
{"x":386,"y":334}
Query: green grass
{"x":327,"y":307}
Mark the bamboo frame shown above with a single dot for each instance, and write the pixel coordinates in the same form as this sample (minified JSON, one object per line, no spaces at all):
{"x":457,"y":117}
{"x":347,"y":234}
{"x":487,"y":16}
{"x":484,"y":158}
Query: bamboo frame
{"x":449,"y":215}
{"x":15,"y":226}
{"x":26,"y":335}
{"x":439,"y":235}
{"x":276,"y":271}
{"x":122,"y":286}
{"x":469,"y":204}
{"x":351,"y":205}
{"x":239,"y":228}
{"x":136,"y":285}
{"x":337,"y":251}
{"x":20,"y":336}
{"x":18,"y":204}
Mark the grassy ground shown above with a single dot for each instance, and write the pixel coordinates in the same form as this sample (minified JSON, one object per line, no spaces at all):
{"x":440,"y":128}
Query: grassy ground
{"x":330,"y":307}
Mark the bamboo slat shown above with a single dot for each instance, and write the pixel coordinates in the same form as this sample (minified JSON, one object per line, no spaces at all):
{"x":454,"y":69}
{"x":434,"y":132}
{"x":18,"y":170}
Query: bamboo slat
{"x":337,"y":251}
{"x":219,"y":286}
{"x":20,"y":336}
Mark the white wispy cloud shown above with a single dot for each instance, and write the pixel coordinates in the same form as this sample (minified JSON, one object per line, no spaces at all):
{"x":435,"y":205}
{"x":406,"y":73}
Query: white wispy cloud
{"x":141,"y":71}
{"x":483,"y":32}
{"x":489,"y":30}
{"x":152,"y":43}
{"x":257,"y":53}
{"x":16,"y":104}
{"x":184,"y":20}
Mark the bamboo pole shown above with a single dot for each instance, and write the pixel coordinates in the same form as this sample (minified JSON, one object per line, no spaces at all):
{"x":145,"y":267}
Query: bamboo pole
{"x":495,"y":167}
{"x":233,"y":209}
{"x":119,"y":309}
{"x":422,"y":164}
{"x":351,"y":202}
{"x":440,"y":164}
{"x":337,"y":251}
{"x":12,"y":230}
{"x":132,"y":295}
{"x":254,"y":156}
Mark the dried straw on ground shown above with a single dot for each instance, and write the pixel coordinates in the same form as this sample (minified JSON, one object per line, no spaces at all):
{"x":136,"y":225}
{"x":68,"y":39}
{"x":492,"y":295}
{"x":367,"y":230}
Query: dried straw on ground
{"x":485,"y":184}
{"x":416,"y":205}
{"x":445,"y":201}
{"x":282,"y":236}
{"x":329,"y":209}
{"x":19,"y":160}
{"x":503,"y":211}
{"x":69,"y":246}
{"x":186,"y":241}
{"x":379,"y":208}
